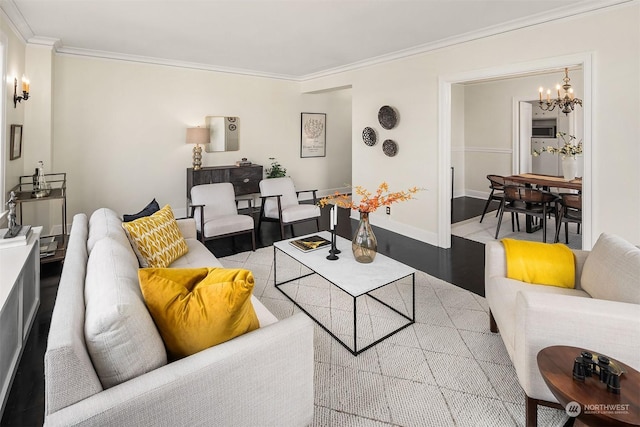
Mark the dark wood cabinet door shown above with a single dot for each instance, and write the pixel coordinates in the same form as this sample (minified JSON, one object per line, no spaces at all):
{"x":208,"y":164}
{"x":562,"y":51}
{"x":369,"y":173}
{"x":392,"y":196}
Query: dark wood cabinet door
{"x":245,"y":179}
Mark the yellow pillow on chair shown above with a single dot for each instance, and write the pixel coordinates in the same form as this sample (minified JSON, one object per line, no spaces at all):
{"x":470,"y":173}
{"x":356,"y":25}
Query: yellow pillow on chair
{"x":540,"y":263}
{"x":197,"y":308}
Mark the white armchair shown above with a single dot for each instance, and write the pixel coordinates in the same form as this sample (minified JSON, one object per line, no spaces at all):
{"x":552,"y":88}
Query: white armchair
{"x":213,"y":206}
{"x":602,"y":313}
{"x":280,"y":204}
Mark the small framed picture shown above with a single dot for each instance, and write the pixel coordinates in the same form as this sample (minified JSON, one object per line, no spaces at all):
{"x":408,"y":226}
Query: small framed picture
{"x":313,"y":135}
{"x":15,"y":150}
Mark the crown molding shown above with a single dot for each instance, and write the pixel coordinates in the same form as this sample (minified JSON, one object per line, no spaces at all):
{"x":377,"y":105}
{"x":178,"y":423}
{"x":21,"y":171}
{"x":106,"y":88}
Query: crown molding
{"x":569,"y":11}
{"x":16,"y":20}
{"x":72,"y":51}
{"x":45,"y":41}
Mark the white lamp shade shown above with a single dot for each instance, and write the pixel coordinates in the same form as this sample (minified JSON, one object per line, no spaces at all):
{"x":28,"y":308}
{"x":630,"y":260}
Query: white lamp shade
{"x":197,"y":135}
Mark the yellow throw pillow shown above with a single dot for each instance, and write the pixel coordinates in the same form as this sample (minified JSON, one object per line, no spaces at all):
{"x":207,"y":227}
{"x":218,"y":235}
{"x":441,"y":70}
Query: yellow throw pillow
{"x":540,"y":263}
{"x":197,"y":308}
{"x":156,"y":239}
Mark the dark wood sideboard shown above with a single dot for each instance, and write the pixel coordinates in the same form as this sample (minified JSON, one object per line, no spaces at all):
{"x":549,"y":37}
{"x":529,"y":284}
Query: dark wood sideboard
{"x":245,"y":179}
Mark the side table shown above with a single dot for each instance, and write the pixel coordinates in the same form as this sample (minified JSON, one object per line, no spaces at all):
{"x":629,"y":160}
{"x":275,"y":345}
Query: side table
{"x":597,"y":405}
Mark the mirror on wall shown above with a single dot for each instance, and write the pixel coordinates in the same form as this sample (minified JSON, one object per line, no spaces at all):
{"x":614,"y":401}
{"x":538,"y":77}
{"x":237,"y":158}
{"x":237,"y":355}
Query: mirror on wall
{"x":224,"y":133}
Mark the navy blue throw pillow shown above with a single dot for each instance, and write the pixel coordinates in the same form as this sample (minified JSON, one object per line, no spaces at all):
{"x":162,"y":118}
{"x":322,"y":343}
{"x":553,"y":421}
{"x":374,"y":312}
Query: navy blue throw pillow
{"x":148,"y":210}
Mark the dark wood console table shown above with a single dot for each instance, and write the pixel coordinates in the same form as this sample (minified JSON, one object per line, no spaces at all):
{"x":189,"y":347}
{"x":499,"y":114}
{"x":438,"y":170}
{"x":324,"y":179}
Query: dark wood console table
{"x":598,"y":406}
{"x":245,"y":179}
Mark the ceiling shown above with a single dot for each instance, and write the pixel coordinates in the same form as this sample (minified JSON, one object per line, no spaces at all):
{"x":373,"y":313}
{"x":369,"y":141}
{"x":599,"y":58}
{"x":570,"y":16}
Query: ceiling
{"x":292,"y":39}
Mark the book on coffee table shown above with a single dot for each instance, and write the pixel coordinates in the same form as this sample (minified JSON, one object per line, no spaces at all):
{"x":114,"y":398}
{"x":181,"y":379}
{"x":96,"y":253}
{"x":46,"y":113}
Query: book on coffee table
{"x":310,"y":243}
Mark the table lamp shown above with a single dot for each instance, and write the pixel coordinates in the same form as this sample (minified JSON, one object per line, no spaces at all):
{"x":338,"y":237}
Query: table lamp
{"x":197,"y":136}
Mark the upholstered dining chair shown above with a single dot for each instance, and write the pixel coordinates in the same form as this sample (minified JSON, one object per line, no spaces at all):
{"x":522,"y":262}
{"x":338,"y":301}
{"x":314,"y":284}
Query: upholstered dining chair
{"x":213,"y":206}
{"x":280,"y":204}
{"x":529,"y":201}
{"x":496,"y":184}
{"x":569,"y":210}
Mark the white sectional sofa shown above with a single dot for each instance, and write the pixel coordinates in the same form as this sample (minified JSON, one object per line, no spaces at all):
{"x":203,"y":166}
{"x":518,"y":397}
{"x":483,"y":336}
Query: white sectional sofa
{"x":602,"y":312}
{"x":105,"y":362}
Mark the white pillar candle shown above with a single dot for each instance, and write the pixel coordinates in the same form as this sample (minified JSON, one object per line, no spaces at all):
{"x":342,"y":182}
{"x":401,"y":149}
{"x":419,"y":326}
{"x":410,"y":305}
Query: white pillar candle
{"x":331,"y":217}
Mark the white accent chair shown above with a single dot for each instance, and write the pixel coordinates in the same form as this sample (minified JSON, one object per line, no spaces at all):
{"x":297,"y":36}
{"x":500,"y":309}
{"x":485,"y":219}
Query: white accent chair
{"x":214,"y":208}
{"x":602,"y":312}
{"x":280,"y":204}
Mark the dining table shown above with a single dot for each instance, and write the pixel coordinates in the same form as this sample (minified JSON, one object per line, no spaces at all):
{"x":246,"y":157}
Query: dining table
{"x":546,"y":182}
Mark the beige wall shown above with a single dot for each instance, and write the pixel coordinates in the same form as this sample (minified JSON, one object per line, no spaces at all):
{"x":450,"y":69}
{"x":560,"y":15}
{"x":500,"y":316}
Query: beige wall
{"x":411,"y":85}
{"x":119,"y":130}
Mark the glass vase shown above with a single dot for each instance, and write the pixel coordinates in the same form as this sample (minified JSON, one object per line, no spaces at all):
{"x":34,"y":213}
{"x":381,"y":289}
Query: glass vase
{"x":364,"y":243}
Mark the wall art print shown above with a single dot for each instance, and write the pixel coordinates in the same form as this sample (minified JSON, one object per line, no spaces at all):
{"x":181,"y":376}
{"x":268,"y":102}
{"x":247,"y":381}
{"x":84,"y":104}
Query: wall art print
{"x":15,"y":148}
{"x":313,"y":135}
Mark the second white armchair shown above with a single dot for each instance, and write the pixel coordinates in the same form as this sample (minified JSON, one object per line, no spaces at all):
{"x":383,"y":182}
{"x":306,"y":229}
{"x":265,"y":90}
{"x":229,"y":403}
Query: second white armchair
{"x":280,"y":204}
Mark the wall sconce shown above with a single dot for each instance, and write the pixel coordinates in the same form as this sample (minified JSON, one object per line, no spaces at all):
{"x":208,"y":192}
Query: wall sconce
{"x":197,"y":136}
{"x":25,"y":91}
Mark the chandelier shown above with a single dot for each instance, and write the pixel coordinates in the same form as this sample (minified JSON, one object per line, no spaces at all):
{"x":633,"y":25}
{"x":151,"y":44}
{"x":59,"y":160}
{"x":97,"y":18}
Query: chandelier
{"x":566,"y":102}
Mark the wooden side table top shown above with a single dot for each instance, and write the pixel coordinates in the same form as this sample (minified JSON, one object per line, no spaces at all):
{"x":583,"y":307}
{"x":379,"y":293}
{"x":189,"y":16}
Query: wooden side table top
{"x":598,"y":406}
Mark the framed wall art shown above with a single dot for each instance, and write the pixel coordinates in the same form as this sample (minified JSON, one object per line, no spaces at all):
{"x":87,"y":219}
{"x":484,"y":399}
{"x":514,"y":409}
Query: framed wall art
{"x":15,"y":150}
{"x":313,"y":135}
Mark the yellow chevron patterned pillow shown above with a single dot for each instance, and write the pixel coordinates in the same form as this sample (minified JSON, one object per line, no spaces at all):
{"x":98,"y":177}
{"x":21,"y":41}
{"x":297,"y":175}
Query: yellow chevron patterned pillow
{"x":156,"y":239}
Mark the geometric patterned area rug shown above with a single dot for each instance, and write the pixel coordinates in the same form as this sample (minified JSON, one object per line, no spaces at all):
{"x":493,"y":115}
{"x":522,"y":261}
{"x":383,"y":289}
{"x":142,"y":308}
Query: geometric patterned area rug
{"x":447,"y":369}
{"x":484,"y":232}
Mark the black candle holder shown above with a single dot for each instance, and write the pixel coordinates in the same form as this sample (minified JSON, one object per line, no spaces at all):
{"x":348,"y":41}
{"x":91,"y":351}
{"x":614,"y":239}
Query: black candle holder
{"x":333,"y":251}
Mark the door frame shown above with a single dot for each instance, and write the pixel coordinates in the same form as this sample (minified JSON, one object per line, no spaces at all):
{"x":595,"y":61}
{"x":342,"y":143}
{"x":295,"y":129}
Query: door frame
{"x":444,"y":132}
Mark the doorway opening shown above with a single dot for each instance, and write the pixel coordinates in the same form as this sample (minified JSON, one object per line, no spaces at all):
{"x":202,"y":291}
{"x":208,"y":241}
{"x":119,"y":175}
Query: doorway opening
{"x":446,"y":134}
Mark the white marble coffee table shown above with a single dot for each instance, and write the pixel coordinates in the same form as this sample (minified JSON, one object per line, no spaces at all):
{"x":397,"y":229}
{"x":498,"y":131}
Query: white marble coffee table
{"x":354,"y":278}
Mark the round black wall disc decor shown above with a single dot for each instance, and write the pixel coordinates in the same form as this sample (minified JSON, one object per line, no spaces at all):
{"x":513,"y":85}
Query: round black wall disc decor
{"x":369,"y":136}
{"x":387,"y":117}
{"x":390,"y":148}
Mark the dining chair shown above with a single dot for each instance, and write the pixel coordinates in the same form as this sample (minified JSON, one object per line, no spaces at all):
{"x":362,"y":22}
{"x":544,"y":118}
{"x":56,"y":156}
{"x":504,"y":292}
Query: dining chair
{"x":214,"y":208}
{"x":529,"y":201}
{"x":496,"y":184}
{"x":569,"y":210}
{"x":280,"y":204}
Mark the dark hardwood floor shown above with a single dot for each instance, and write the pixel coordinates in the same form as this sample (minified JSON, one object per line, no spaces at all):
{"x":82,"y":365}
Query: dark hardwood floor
{"x":462,"y":265}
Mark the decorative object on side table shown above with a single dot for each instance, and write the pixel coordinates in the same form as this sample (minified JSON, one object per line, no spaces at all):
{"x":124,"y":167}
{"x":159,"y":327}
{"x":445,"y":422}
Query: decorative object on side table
{"x":40,"y":186}
{"x":593,"y":401}
{"x":607,"y":370}
{"x":364,"y":243}
{"x":568,"y":151}
{"x":197,"y":136}
{"x":14,"y":227}
{"x":387,"y":117}
{"x":15,"y":234}
{"x":369,"y":136}
{"x":243,"y":162}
